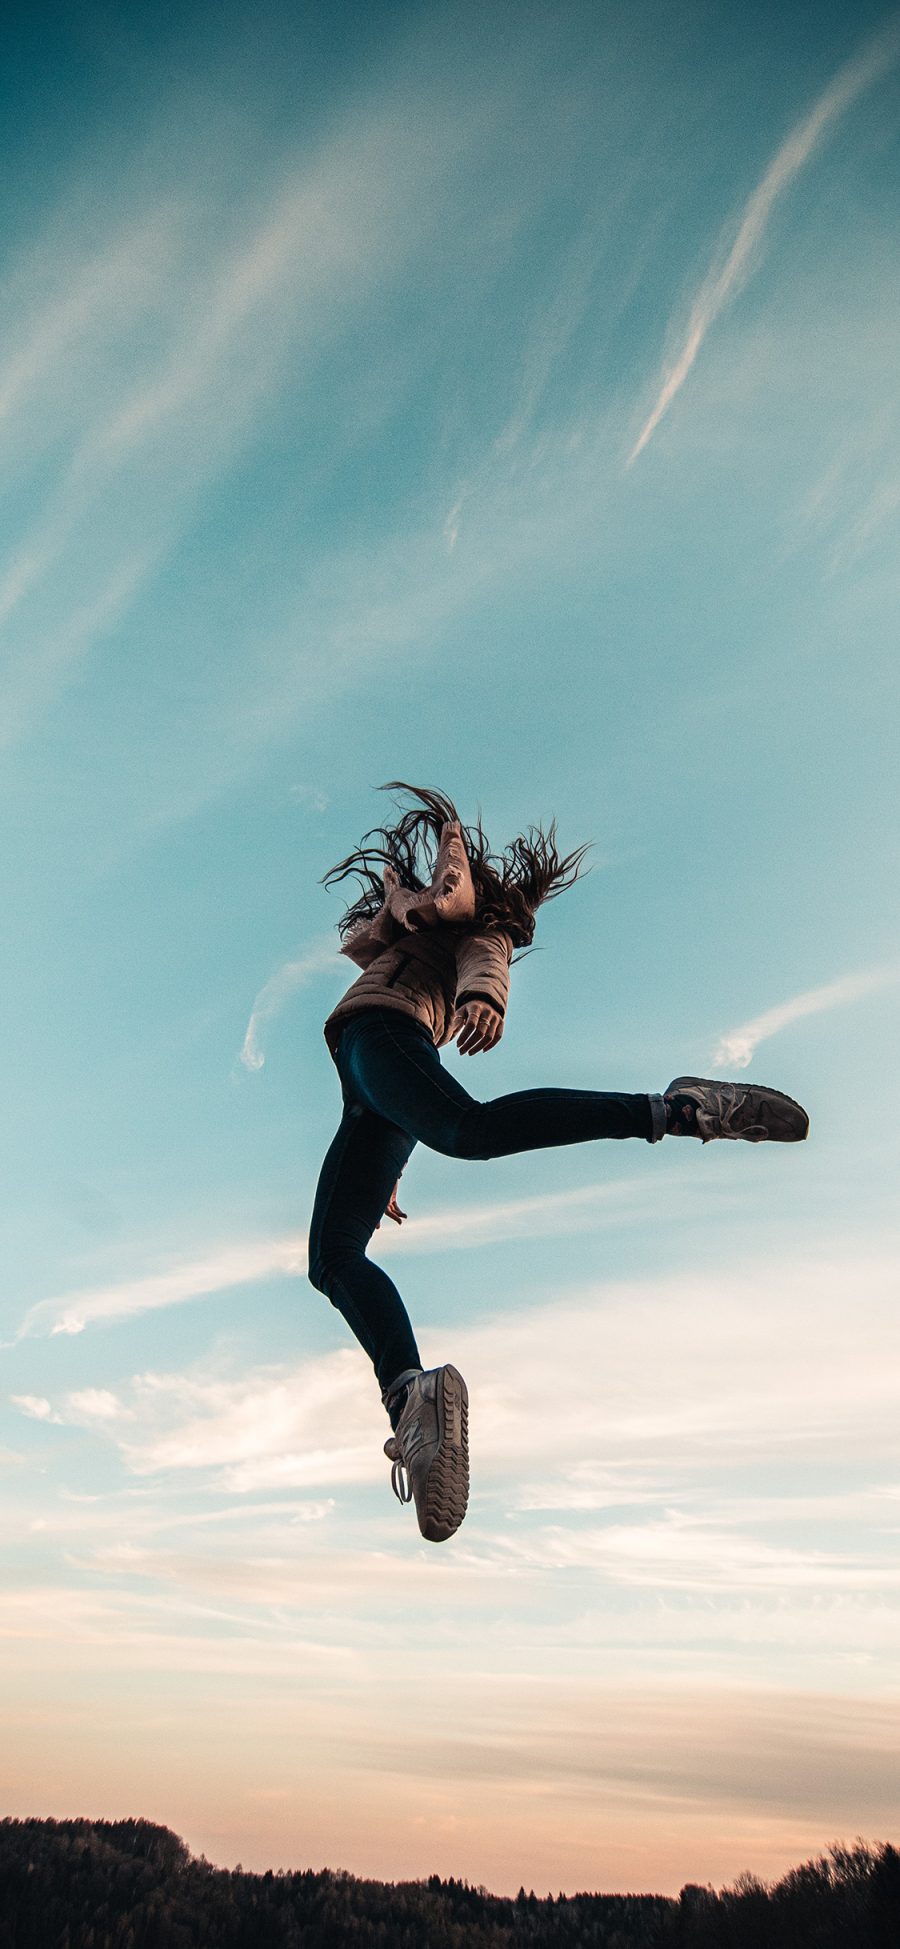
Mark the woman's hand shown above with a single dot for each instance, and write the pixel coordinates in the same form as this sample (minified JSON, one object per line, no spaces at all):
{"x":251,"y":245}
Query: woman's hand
{"x":392,"y":1209}
{"x":482,"y":1028}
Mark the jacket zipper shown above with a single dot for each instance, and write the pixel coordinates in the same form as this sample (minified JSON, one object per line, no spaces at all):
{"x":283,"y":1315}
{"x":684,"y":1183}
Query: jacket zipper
{"x":403,"y":962}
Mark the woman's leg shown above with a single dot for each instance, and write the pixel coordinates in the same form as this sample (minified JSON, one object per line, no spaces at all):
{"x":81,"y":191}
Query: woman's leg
{"x":357,"y":1178}
{"x":390,"y":1064}
{"x":428,"y":1412}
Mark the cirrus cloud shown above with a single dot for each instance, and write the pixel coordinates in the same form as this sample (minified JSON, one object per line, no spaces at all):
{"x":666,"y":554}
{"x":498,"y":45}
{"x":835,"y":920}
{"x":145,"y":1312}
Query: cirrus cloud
{"x":738,"y":1046}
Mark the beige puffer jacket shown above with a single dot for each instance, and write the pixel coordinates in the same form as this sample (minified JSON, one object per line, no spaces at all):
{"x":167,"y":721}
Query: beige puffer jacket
{"x":430,"y":975}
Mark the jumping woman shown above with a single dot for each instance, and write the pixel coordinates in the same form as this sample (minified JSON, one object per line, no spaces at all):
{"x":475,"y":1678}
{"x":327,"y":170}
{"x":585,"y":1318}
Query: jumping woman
{"x":434,"y":928}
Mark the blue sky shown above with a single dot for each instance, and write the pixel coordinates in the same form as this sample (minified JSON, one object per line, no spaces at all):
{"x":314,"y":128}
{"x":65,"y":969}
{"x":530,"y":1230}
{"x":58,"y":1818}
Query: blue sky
{"x":504,"y":399}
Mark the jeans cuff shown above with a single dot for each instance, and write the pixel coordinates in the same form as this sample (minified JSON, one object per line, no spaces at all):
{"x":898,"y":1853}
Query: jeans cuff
{"x":402,"y":1380}
{"x":657,"y":1118}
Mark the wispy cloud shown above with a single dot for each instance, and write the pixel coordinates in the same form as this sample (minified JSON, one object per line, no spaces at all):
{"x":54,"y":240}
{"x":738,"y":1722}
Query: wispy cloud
{"x":586,"y":1208}
{"x":637,"y":1620}
{"x":738,"y":1046}
{"x":96,"y":1404}
{"x":230,"y":1265}
{"x":726,"y":279}
{"x":32,"y":676}
{"x":679,"y":1550}
{"x":35,"y":1406}
{"x":277,"y":1431}
{"x":311,"y":796}
{"x":879,"y":511}
{"x":509,"y":1774}
{"x":672,"y":1375}
{"x":459,"y":1227}
{"x":291,"y":976}
{"x":679,"y":1372}
{"x":251,"y":299}
{"x":103,"y":291}
{"x":556,"y":323}
{"x":215,"y":309}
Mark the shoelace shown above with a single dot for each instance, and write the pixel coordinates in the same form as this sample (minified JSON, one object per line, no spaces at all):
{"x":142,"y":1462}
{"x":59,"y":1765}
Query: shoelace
{"x":400,"y":1482}
{"x":726,"y":1113}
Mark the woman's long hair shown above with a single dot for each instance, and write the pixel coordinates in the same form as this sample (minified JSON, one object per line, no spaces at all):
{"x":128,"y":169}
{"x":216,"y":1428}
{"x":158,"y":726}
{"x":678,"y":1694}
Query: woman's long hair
{"x":509,"y":886}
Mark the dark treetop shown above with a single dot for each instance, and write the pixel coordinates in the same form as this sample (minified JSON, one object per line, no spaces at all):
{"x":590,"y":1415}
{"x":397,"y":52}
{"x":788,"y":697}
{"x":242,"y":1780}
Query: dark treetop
{"x":82,"y":1884}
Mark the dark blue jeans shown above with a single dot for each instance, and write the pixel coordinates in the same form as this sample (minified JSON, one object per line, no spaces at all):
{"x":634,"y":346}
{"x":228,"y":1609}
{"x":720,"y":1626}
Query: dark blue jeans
{"x":396,"y":1095}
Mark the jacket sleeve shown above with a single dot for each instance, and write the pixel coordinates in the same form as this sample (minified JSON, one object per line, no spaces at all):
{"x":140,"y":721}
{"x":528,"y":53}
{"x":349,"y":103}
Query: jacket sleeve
{"x":482,"y":970}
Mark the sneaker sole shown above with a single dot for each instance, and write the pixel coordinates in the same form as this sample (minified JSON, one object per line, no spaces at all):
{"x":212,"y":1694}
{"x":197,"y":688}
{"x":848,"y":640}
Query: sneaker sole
{"x":786,"y":1120}
{"x":446,"y":1494}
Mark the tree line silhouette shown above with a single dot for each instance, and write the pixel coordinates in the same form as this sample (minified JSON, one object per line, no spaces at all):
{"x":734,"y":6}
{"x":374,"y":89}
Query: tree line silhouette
{"x":128,"y":1884}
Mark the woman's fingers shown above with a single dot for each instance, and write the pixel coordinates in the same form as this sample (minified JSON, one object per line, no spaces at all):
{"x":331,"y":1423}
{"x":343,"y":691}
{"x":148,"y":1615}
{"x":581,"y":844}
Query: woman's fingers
{"x":469,"y":1032}
{"x":482,"y":1029}
{"x":473,"y":1035}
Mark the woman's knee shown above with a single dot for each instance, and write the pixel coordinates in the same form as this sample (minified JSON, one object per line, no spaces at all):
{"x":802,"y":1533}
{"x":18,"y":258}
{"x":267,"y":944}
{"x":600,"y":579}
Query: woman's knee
{"x":467,"y":1136}
{"x":330,"y":1261}
{"x":316,"y":1274}
{"x":320,"y":1267}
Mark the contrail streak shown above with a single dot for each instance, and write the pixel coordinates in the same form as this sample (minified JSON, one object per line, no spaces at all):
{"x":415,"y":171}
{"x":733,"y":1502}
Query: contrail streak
{"x":738,"y":1047}
{"x":721,"y":285}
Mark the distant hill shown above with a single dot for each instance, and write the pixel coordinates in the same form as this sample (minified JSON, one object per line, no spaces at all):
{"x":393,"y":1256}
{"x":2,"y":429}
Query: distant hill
{"x":127,"y":1884}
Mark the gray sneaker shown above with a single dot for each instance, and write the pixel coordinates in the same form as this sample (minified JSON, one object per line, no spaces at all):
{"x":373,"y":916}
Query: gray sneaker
{"x":429,"y":1450}
{"x":744,"y":1110}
